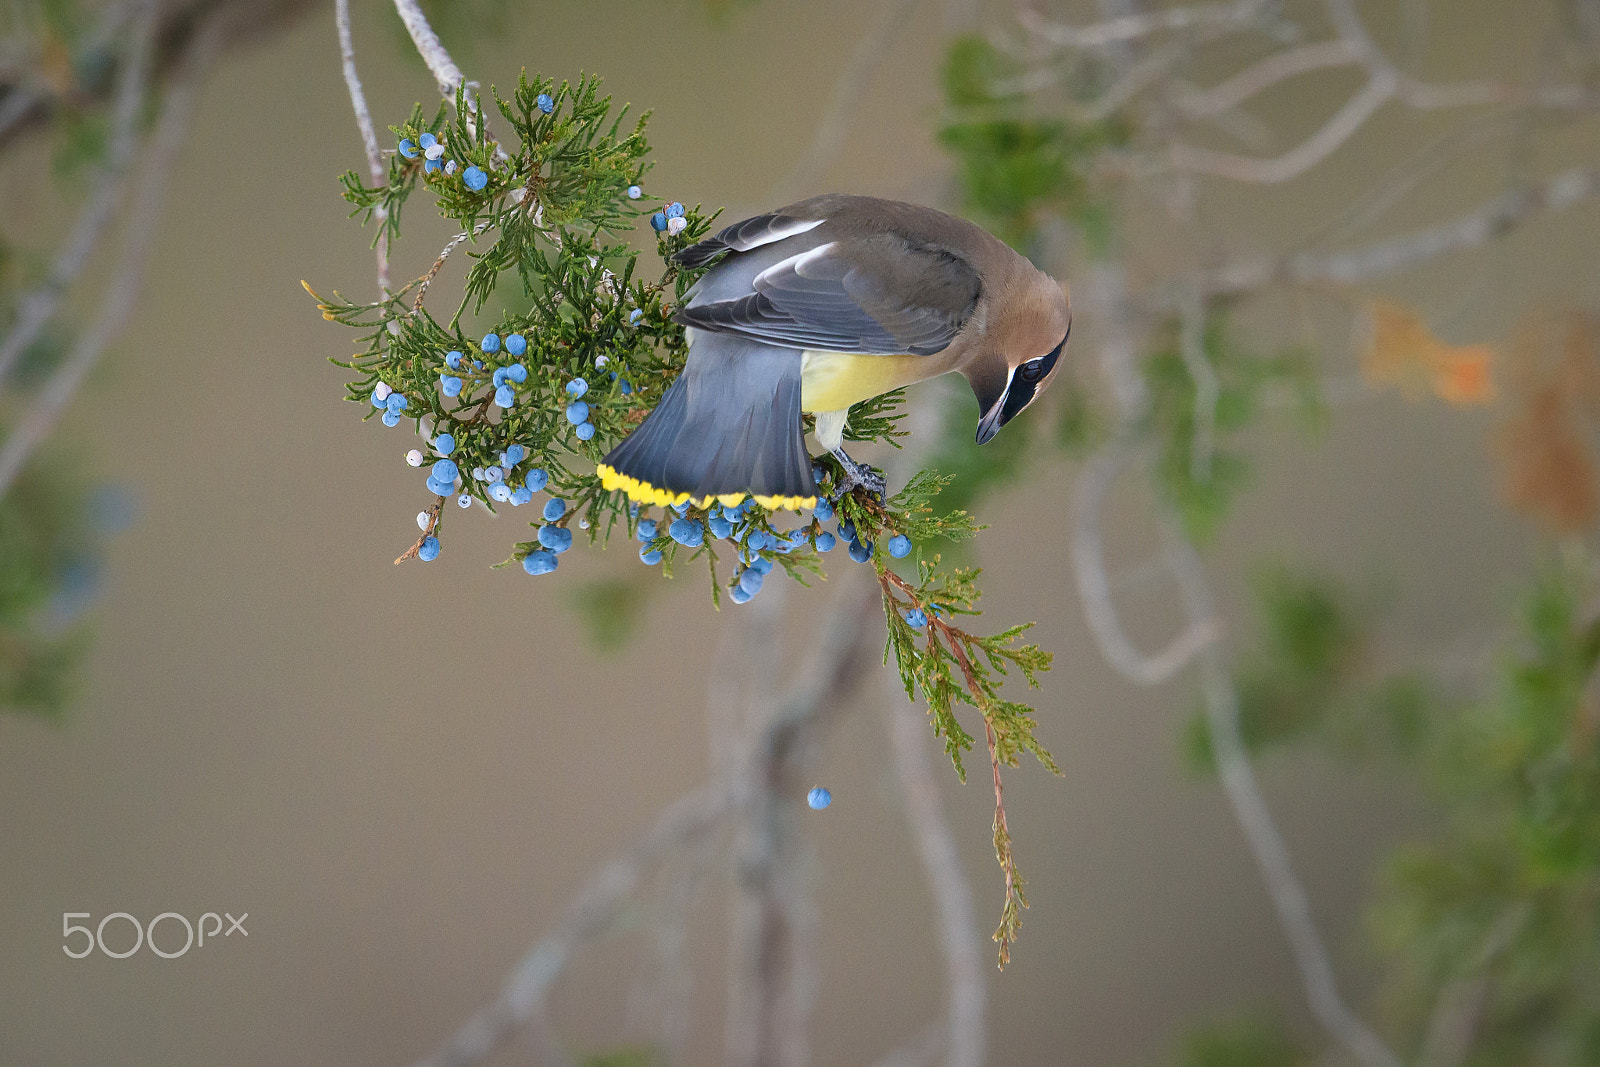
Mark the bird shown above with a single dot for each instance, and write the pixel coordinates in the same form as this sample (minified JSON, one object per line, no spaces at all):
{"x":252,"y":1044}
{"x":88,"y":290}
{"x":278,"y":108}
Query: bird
{"x":818,"y":306}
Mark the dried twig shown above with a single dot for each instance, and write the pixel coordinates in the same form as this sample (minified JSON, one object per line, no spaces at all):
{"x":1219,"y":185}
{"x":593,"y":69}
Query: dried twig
{"x":369,"y":136}
{"x":1489,"y":220}
{"x":1122,"y":29}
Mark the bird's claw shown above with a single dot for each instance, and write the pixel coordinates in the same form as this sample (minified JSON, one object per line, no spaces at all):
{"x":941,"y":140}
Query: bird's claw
{"x":860,"y":474}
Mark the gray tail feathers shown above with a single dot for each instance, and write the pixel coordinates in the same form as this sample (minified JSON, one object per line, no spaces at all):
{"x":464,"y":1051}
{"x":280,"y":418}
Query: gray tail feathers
{"x":729,"y":424}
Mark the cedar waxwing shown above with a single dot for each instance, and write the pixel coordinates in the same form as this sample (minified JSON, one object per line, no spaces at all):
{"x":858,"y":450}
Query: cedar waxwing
{"x":818,"y":306}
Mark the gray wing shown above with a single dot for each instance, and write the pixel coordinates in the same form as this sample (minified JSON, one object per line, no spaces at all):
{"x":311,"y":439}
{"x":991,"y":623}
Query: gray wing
{"x":878,"y":294}
{"x":744,"y":236}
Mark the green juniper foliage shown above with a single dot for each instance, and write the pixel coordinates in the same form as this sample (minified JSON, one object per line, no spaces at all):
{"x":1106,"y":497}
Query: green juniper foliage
{"x":529,"y":395}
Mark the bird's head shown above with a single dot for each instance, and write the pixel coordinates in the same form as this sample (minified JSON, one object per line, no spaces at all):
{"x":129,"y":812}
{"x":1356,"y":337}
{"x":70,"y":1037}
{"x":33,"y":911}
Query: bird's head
{"x":1025,"y":332}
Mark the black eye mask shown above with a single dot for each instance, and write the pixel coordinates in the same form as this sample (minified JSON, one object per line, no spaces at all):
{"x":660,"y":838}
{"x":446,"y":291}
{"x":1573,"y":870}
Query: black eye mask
{"x":1026,"y":380}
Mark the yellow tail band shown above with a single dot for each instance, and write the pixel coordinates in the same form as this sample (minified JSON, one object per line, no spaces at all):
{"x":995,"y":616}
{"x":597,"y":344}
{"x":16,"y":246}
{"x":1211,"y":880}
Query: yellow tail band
{"x":643,"y":492}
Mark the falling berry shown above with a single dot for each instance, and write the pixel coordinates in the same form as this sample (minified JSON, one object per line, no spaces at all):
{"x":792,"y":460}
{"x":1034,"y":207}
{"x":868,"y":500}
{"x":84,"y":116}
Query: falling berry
{"x":819,"y":798}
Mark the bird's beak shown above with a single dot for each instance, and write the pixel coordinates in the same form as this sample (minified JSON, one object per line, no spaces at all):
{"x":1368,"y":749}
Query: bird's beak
{"x":993,"y":418}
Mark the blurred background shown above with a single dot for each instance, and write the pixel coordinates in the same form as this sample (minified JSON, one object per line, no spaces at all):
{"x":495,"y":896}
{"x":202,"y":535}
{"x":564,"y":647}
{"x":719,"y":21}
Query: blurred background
{"x":222,"y":696}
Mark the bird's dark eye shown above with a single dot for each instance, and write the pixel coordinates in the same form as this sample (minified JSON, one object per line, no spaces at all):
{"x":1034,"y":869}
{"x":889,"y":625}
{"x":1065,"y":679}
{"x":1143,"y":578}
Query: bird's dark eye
{"x":1032,"y":370}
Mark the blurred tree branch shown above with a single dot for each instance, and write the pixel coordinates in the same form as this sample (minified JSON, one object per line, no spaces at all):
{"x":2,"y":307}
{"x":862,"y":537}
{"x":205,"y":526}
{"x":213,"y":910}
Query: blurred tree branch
{"x":1127,"y":82}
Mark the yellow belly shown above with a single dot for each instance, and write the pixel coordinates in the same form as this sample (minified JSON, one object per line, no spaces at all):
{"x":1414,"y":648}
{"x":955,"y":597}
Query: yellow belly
{"x":832,"y":381}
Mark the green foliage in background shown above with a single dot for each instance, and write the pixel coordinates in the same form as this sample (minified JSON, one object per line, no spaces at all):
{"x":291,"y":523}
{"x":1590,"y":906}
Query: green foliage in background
{"x":1017,"y":166}
{"x":547,"y":235}
{"x":1201,"y":482}
{"x":1493,"y":925}
{"x":1311,"y":674}
{"x":1489,"y":928}
{"x":49,"y":559}
{"x":1253,"y":1041}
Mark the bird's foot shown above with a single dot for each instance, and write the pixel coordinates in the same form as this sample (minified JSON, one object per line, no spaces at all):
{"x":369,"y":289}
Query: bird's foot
{"x":860,"y":474}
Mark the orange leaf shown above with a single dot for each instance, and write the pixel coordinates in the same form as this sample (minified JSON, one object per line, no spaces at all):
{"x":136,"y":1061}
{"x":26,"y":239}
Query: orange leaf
{"x":1406,"y":354}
